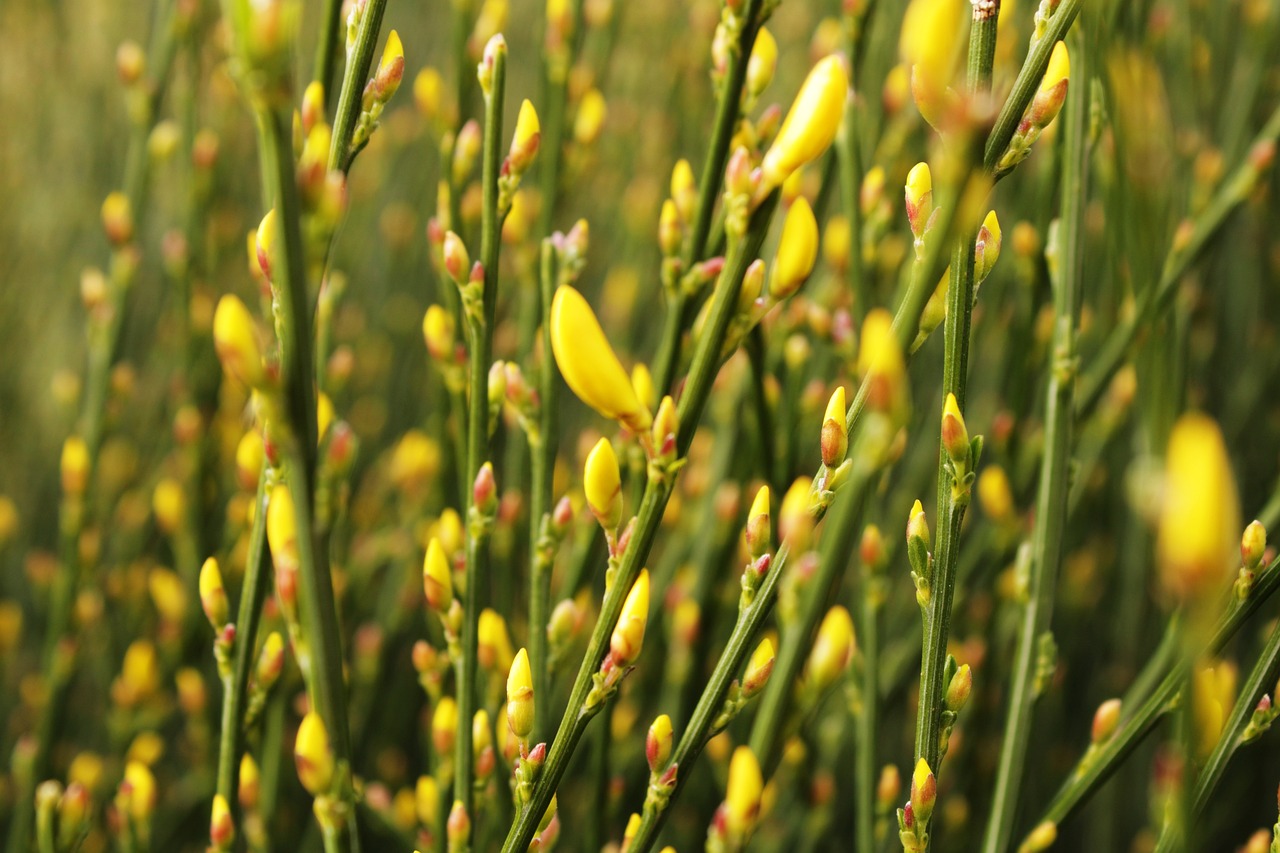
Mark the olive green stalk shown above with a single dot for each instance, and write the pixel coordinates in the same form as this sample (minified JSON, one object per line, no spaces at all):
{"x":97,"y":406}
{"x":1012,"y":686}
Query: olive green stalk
{"x":1051,"y":504}
{"x":359,"y":60}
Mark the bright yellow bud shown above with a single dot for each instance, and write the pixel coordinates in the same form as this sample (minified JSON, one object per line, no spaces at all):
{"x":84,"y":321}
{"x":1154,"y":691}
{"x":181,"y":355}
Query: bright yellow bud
{"x":832,"y":649}
{"x":222,"y":831}
{"x":924,"y":792}
{"x":140,"y":672}
{"x":75,"y":466}
{"x":117,"y":218}
{"x":1044,"y":835}
{"x":437,"y":579}
{"x":168,"y":593}
{"x":1059,"y":67}
{"x":520,"y":696}
{"x":213,"y":597}
{"x":250,"y":455}
{"x":657,"y":744}
{"x":835,"y":432}
{"x":995,"y":495}
{"x":324,"y":414}
{"x":742,"y":797}
{"x":602,"y":483}
{"x":444,"y":725}
{"x":590,"y":118}
{"x":642,"y":382}
{"x":759,"y":668}
{"x":1213,"y":696}
{"x":494,"y":642}
{"x":794,"y":522}
{"x":426,"y":798}
{"x":628,"y":634}
{"x":141,"y":796}
{"x":265,"y":241}
{"x":312,"y":755}
{"x":797,"y":250}
{"x":524,"y":146}
{"x":927,"y":43}
{"x":759,"y":524}
{"x":589,"y":365}
{"x":250,"y":781}
{"x":763,"y":61}
{"x":810,"y":125}
{"x":236,"y":341}
{"x":919,"y":201}
{"x":437,"y":331}
{"x":880,"y":363}
{"x":282,"y":530}
{"x":986,"y":250}
{"x":1200,"y":518}
{"x":684,"y":190}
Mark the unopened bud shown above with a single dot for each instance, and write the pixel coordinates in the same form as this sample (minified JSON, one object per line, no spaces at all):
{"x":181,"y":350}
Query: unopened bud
{"x":1253,"y":545}
{"x":657,"y":745}
{"x":1105,"y":720}
{"x":835,"y":433}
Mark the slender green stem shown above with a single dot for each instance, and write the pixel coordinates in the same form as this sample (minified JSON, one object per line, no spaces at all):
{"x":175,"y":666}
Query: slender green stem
{"x":866,"y":763}
{"x":294,"y":315}
{"x":327,"y":47}
{"x":764,"y":418}
{"x":541,"y":549}
{"x":480,"y":330}
{"x":1098,"y":765}
{"x":253,"y":594}
{"x":1155,"y":301}
{"x":1051,"y":505}
{"x":951,"y":502}
{"x":666,"y":361}
{"x":359,"y":60}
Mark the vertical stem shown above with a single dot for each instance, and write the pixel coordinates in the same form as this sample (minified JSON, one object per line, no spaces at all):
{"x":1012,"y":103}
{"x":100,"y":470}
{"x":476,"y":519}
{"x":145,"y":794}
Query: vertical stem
{"x":543,"y":465}
{"x":480,"y":332}
{"x":1051,"y":503}
{"x":318,"y":610}
{"x":327,"y":47}
{"x":253,"y":593}
{"x":955,"y":368}
{"x":864,"y":806}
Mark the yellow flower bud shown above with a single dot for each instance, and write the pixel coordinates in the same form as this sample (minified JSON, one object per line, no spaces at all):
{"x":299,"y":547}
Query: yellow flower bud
{"x":282,"y":530}
{"x":140,"y":672}
{"x":168,"y":503}
{"x":927,"y":43}
{"x":589,"y":365}
{"x":759,"y":668}
{"x":213,"y":596}
{"x":835,"y":432}
{"x":437,"y":579}
{"x":312,"y":755}
{"x":390,"y":69}
{"x":250,"y":456}
{"x":1052,"y":93}
{"x":168,"y":594}
{"x":1213,"y":694}
{"x":763,"y":62}
{"x":1041,"y":838}
{"x":1059,"y":67}
{"x":590,"y":118}
{"x":520,"y":696}
{"x":250,"y":781}
{"x":1200,"y":517}
{"x":75,"y":466}
{"x":986,"y":250}
{"x":494,"y":642}
{"x":810,"y":125}
{"x":324,"y":414}
{"x":880,"y":363}
{"x":117,"y":218}
{"x":524,"y":145}
{"x":759,"y":524}
{"x":265,"y":242}
{"x":995,"y":495}
{"x":141,"y":797}
{"x":684,"y":190}
{"x":444,"y":726}
{"x":642,"y":382}
{"x":919,"y":200}
{"x":628,"y":634}
{"x":236,"y":341}
{"x":832,"y":648}
{"x":924,"y":792}
{"x":222,"y":831}
{"x":797,"y":250}
{"x":742,"y":797}
{"x":657,"y":744}
{"x":426,"y":798}
{"x":602,"y":483}
{"x":794,"y":522}
{"x":955,"y":436}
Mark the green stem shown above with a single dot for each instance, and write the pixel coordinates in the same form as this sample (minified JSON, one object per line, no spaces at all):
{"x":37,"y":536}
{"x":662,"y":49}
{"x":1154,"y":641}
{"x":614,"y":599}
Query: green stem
{"x":658,"y":489}
{"x":541,"y":497}
{"x":864,"y":806}
{"x":1155,"y":301}
{"x":1051,"y":504}
{"x":951,"y":507}
{"x":480,"y":331}
{"x":318,"y":610}
{"x":667,"y":359}
{"x":327,"y":47}
{"x":253,"y":594}
{"x":359,"y":60}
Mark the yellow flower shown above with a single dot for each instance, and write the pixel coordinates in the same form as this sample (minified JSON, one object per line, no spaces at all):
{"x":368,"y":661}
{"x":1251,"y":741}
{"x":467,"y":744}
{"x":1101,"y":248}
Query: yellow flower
{"x":742,"y":797}
{"x":602,"y":483}
{"x":810,"y":125}
{"x":520,"y":696}
{"x":528,"y":135}
{"x":797,"y":250}
{"x":1200,"y":517}
{"x":213,"y":597}
{"x":628,"y":634}
{"x":437,"y":580}
{"x":835,"y":431}
{"x":312,"y":756}
{"x":236,"y":341}
{"x":832,"y":649}
{"x":589,"y":365}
